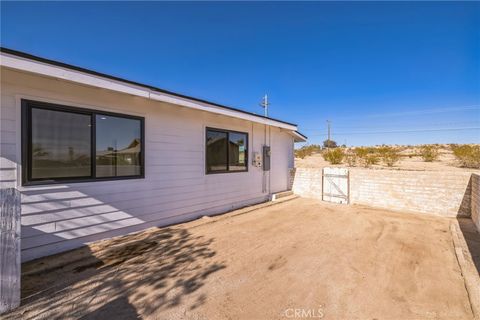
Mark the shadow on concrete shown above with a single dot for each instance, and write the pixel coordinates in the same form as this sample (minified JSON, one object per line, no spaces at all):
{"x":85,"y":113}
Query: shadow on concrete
{"x":472,"y":238}
{"x":121,"y":278}
{"x":467,"y":227}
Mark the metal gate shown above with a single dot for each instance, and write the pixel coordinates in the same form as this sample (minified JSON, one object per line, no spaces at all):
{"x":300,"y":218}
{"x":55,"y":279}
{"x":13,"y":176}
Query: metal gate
{"x":335,"y":185}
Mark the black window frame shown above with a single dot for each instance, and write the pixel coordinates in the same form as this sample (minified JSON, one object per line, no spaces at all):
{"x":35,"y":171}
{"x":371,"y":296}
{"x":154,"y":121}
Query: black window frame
{"x":26,"y":111}
{"x":228,"y":153}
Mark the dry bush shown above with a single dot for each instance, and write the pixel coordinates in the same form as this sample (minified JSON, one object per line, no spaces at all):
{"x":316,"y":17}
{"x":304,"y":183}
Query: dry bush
{"x":351,"y":159}
{"x":467,"y":155}
{"x":367,"y":156}
{"x":334,"y":156}
{"x":389,"y":155}
{"x":306,"y":151}
{"x":370,"y":160}
{"x":361,"y":152}
{"x":429,"y":152}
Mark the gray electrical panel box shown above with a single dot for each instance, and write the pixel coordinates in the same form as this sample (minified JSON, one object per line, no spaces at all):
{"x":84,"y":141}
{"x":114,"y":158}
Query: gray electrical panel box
{"x":266,"y":158}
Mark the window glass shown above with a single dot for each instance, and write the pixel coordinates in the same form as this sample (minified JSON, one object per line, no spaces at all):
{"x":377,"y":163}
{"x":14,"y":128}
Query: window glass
{"x":118,"y":146}
{"x":60,"y":144}
{"x":237,"y":151}
{"x":216,"y":151}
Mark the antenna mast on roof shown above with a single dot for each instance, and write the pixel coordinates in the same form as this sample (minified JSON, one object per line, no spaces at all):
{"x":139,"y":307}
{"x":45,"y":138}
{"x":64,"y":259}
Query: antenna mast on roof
{"x":265,"y":104}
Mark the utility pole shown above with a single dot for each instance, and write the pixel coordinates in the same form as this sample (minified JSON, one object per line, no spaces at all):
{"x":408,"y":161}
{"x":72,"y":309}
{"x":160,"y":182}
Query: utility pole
{"x":265,"y":104}
{"x":328,"y":130}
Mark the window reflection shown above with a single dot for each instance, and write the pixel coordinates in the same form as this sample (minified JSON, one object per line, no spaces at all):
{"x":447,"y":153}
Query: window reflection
{"x":216,"y":151}
{"x":118,"y":146}
{"x":237,"y":151}
{"x":61,"y":144}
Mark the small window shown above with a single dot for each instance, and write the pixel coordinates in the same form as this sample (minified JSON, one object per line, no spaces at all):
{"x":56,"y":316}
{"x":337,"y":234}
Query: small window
{"x":71,"y":144}
{"x":226,"y":151}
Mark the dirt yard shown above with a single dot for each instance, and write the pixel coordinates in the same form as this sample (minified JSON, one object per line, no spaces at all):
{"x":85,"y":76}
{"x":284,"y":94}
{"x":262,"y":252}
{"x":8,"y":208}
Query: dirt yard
{"x":328,"y":261}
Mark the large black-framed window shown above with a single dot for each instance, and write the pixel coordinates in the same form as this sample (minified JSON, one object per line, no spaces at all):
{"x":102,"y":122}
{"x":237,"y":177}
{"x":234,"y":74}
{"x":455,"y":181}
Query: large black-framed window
{"x":69,"y":144}
{"x":226,"y":151}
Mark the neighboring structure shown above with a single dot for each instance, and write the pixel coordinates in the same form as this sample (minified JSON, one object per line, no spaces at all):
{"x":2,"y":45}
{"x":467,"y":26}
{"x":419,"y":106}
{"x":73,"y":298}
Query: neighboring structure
{"x":95,"y":156}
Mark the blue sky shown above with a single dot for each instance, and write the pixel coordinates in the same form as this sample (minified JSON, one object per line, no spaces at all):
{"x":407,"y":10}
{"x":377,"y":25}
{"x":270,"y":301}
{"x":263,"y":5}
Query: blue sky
{"x":382,"y":72}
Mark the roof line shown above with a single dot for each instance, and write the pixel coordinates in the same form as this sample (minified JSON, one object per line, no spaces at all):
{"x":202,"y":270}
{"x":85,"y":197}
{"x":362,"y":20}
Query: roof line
{"x":104,"y":75}
{"x":304,"y":136}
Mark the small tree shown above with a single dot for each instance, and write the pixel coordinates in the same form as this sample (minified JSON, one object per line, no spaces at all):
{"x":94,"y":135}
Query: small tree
{"x":467,"y":155}
{"x":389,"y":155}
{"x":329,"y":144}
{"x":429,"y":152}
{"x":334,"y":156}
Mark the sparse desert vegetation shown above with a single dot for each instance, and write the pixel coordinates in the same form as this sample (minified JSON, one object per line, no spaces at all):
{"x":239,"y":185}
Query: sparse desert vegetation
{"x":398,"y":157}
{"x":389,"y":155}
{"x":366,"y":156}
{"x":334,"y":156}
{"x":306,"y":151}
{"x":467,"y":155}
{"x":429,"y":152}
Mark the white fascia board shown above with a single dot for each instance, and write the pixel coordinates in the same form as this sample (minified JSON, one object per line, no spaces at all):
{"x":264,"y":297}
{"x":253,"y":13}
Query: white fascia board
{"x":298,"y":137}
{"x":164,"y":97}
{"x":45,"y":69}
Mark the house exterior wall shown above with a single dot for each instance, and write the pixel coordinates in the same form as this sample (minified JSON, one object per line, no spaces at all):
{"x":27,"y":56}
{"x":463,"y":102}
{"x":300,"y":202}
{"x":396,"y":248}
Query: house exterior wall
{"x":60,"y":217}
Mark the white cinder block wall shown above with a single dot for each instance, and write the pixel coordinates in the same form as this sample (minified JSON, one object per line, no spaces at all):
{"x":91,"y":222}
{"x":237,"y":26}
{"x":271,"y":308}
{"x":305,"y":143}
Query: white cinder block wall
{"x":61,"y":217}
{"x":476,"y":200}
{"x":440,"y":193}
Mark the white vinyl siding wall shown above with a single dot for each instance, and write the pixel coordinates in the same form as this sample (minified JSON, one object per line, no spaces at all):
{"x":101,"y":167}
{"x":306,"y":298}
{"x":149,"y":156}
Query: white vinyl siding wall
{"x":61,"y":217}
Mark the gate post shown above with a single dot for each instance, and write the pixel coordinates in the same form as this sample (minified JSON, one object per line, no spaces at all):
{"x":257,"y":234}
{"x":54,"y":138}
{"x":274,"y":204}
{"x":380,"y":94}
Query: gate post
{"x":9,"y":249}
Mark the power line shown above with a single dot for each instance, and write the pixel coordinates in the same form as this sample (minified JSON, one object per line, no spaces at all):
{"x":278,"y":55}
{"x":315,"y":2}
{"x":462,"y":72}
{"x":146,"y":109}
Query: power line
{"x":380,"y":127}
{"x":400,"y":131}
{"x":413,"y":113}
{"x":425,"y":111}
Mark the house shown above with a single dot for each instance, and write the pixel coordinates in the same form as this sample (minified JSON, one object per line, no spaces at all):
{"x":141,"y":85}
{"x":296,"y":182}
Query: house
{"x":96,"y":156}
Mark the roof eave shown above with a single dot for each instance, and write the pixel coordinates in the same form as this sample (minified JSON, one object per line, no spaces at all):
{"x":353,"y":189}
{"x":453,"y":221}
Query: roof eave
{"x":28,"y":63}
{"x":298,"y":137}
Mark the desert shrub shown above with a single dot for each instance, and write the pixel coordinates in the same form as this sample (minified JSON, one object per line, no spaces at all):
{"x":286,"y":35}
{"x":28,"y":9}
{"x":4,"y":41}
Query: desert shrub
{"x":367,"y":156}
{"x":370,"y":160}
{"x":467,"y":155}
{"x":334,"y":156}
{"x":361,"y":152}
{"x":306,"y":151}
{"x":389,"y":155}
{"x":351,"y":159}
{"x":429,"y":152}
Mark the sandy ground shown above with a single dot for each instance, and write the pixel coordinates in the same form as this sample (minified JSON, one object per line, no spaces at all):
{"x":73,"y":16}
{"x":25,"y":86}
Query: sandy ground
{"x":446,"y":162}
{"x":331,"y":261}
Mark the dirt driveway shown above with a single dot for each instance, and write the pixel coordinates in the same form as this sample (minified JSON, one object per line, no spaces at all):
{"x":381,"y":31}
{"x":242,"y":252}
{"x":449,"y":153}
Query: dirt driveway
{"x":301,"y":258}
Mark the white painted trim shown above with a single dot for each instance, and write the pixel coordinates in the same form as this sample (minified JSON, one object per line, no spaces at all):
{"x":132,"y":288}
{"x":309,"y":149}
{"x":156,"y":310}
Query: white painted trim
{"x":297,"y":137}
{"x":45,"y":69}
